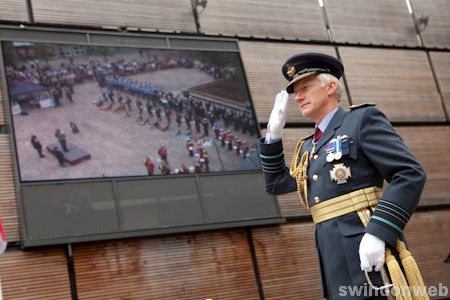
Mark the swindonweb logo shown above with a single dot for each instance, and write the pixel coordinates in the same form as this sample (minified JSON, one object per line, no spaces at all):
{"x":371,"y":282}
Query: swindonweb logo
{"x":365,"y":290}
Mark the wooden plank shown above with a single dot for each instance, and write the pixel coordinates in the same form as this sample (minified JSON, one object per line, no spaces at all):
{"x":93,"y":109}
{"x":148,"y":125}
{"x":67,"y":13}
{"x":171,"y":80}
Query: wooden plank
{"x":430,"y":145}
{"x":437,"y":32}
{"x":263,"y":62}
{"x":381,"y":22}
{"x":203,"y":265}
{"x":441,"y":65}
{"x":8,"y":205}
{"x":35,"y":274}
{"x":14,"y":10}
{"x":427,"y":237}
{"x":147,"y":15}
{"x":287,"y":19}
{"x":399,"y":81}
{"x":287,"y":261}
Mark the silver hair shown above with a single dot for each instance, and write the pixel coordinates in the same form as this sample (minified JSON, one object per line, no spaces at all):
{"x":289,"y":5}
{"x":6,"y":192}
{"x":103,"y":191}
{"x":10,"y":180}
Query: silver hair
{"x":326,"y":78}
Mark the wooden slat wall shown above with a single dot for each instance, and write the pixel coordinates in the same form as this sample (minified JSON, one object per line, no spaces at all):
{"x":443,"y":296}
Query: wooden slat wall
{"x":399,"y":81}
{"x":287,"y":261}
{"x":437,"y":32}
{"x":36,"y":274}
{"x":441,"y":65}
{"x":288,"y":19}
{"x":430,"y":145}
{"x":8,"y":206}
{"x":427,"y":236}
{"x":144,"y":14}
{"x":215,"y":265}
{"x":378,"y":22}
{"x":14,"y":10}
{"x":262,"y":63}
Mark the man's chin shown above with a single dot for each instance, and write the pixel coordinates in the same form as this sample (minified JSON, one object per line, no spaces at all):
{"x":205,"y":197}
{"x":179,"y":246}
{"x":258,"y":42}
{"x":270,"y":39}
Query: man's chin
{"x":305,"y":112}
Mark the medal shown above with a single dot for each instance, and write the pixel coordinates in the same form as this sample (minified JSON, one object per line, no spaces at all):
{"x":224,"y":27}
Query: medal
{"x":337,"y":156}
{"x":330,"y":150}
{"x":330,"y":157}
{"x":340,"y":173}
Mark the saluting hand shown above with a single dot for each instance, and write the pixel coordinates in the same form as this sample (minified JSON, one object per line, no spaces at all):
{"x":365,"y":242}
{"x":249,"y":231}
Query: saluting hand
{"x":371,"y":252}
{"x":278,"y":116}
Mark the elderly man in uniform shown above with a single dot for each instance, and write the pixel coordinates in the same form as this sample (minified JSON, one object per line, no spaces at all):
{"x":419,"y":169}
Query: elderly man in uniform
{"x":339,"y":171}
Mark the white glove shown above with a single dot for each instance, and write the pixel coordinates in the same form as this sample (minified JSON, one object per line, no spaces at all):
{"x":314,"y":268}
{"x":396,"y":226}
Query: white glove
{"x":278,"y":116}
{"x":371,"y":252}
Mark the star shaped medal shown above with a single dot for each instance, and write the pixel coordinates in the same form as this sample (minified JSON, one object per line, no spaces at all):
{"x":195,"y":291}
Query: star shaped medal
{"x":340,"y":173}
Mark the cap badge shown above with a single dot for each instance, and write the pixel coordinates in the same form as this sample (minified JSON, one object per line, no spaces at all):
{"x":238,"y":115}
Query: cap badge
{"x":290,"y":71}
{"x":340,"y":173}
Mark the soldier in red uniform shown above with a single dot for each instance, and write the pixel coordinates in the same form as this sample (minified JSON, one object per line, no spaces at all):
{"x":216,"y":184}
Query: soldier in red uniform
{"x":163,"y":153}
{"x":149,"y":165}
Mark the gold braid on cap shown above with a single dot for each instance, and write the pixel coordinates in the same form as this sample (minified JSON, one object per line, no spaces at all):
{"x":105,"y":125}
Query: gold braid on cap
{"x":298,"y":170}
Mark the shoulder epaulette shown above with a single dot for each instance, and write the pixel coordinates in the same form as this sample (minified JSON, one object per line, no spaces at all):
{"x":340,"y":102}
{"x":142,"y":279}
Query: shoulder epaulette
{"x":355,"y":106}
{"x":307,"y":137}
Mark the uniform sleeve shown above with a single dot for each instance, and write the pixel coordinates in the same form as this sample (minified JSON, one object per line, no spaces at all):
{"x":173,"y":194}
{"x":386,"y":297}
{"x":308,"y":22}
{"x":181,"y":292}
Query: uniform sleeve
{"x":398,"y":166}
{"x":276,"y":174}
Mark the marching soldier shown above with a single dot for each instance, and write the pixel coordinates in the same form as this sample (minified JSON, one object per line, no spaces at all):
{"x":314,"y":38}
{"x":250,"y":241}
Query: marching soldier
{"x":338,"y":172}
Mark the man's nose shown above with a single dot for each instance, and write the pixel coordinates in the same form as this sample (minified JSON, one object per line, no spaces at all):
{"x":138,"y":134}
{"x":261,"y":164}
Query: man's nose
{"x":298,"y":97}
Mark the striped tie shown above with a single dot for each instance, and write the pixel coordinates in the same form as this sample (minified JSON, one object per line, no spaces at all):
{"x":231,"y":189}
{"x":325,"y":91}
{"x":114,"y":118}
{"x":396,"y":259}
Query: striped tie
{"x":317,"y":135}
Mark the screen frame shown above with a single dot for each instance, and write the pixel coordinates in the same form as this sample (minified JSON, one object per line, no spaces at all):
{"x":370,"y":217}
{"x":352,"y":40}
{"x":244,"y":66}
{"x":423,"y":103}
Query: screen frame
{"x":118,"y":39}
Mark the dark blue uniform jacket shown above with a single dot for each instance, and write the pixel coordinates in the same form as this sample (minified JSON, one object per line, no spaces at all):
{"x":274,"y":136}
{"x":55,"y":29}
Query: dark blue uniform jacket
{"x":376,"y":153}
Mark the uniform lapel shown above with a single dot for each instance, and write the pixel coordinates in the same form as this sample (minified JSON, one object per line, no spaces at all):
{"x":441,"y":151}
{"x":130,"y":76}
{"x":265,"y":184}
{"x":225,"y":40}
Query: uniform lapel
{"x":335,"y":123}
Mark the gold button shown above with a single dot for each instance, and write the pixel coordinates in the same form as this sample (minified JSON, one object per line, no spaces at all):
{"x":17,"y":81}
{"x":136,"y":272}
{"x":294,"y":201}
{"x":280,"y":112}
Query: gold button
{"x":315,"y":177}
{"x":316,"y":199}
{"x":315,"y":156}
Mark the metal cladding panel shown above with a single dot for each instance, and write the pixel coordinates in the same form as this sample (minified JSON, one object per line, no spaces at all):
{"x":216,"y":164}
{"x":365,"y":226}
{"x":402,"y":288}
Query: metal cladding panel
{"x":427,"y":237}
{"x":263,"y":62}
{"x":148,"y":204}
{"x":287,"y":19}
{"x":147,"y":15}
{"x":222,"y":198}
{"x":441,"y":65}
{"x":287,"y":261}
{"x":381,"y":22}
{"x":437,"y":31}
{"x":400,"y":82}
{"x":215,"y":265}
{"x":37,"y":274}
{"x":69,"y":210}
{"x":430,"y":145}
{"x":8,"y":206}
{"x":289,"y":204}
{"x":2,"y":101}
{"x":14,"y":10}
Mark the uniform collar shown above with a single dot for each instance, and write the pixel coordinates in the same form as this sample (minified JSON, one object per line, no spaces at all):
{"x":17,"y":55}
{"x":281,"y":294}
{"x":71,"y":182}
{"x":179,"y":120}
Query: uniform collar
{"x":335,"y":122}
{"x":325,"y":121}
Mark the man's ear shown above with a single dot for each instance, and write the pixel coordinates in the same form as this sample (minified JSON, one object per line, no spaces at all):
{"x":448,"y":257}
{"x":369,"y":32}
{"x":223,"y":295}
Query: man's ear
{"x":331,"y":89}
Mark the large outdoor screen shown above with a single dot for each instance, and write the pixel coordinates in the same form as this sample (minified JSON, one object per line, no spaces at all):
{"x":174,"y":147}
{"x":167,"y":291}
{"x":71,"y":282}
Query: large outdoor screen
{"x":100,"y":112}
